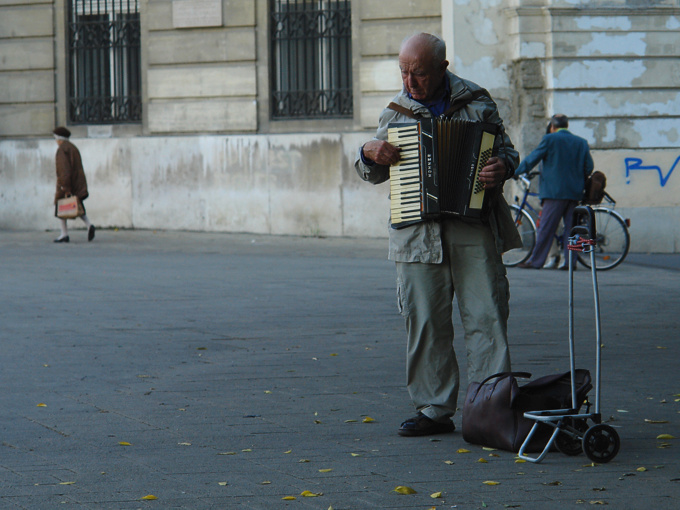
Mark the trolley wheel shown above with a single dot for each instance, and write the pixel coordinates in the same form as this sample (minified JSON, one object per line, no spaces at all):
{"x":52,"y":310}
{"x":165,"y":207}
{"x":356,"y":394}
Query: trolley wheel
{"x":569,"y":441}
{"x":601,"y":443}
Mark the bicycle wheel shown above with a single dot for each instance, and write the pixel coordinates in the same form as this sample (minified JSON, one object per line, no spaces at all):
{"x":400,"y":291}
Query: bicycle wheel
{"x":527,"y":231}
{"x":613,"y":240}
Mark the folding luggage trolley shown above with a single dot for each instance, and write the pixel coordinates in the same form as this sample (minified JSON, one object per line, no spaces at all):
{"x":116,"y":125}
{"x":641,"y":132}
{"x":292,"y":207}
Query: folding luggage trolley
{"x":572,"y":435}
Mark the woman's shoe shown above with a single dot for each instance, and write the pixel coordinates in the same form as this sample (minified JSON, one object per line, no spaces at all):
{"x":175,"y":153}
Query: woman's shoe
{"x":64,"y":239}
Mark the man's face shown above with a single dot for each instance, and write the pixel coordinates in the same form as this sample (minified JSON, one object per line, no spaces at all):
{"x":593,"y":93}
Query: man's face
{"x":420,"y":75}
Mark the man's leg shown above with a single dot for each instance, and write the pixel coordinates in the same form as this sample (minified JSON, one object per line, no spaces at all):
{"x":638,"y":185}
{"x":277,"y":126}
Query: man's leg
{"x":480,"y":282}
{"x":425,"y":298}
{"x":550,"y":217}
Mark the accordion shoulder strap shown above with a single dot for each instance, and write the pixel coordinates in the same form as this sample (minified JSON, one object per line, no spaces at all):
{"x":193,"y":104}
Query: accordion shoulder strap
{"x":465,"y":101}
{"x":451,"y":109}
{"x":403,"y":110}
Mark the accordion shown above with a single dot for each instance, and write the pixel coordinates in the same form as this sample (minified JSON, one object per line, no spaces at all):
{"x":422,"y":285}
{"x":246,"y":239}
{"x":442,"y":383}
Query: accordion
{"x":438,"y":173}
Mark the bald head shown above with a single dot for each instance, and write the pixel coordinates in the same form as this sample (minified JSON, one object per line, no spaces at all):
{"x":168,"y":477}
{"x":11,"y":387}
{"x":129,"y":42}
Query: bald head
{"x":422,"y":60}
{"x":427,"y":45}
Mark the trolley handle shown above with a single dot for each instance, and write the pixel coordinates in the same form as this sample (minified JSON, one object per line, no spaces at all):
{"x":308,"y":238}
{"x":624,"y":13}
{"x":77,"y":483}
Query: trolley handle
{"x":584,"y":222}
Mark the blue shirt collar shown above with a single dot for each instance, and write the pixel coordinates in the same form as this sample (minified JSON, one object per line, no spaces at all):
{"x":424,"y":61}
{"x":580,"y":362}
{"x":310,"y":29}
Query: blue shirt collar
{"x":440,"y":105}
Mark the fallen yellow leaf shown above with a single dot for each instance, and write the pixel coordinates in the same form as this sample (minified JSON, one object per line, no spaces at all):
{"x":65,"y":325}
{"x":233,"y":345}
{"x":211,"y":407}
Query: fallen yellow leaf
{"x":125,"y":443}
{"x":41,"y":405}
{"x":355,"y":454}
{"x":289,"y":451}
{"x":302,"y":461}
{"x":462,"y":450}
{"x":67,"y":483}
{"x":288,"y":498}
{"x":184,"y":444}
{"x":436,"y":495}
{"x":149,"y":497}
{"x":641,"y":469}
{"x":223,"y":484}
{"x":402,"y":489}
{"x":490,"y":482}
{"x":665,"y":436}
{"x":247,"y":450}
{"x":368,"y":419}
{"x":325,"y":470}
{"x":309,"y":494}
{"x":351,"y":421}
{"x":266,"y":482}
{"x":656,"y":421}
{"x":449,"y":462}
{"x":227,"y":453}
{"x":520,"y":461}
{"x":488,"y":449}
{"x":483,"y":461}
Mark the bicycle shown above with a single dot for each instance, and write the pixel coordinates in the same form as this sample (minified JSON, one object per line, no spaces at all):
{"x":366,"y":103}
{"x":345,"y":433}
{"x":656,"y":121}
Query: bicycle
{"x":613,"y":237}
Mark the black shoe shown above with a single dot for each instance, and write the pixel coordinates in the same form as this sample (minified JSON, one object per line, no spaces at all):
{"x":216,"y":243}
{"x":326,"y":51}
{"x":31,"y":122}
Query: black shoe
{"x":421,"y":425}
{"x":62,"y":240}
{"x":90,"y":233}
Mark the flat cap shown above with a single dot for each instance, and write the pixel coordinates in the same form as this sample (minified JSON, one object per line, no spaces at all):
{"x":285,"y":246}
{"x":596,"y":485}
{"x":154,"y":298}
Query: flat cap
{"x":62,"y":131}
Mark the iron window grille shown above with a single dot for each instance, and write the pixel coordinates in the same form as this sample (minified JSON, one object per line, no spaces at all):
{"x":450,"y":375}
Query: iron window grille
{"x":311,"y":51}
{"x":104,"y":62}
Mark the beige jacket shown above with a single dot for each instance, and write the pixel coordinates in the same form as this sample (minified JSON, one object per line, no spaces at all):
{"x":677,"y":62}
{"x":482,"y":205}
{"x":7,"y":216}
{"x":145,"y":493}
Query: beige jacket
{"x":422,"y":242}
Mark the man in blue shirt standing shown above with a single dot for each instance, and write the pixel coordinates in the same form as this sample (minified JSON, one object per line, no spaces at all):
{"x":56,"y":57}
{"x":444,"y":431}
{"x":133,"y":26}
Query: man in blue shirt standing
{"x":567,"y":163}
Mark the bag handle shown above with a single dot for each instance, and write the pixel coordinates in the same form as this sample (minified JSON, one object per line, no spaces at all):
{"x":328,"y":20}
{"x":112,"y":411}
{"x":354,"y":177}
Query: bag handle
{"x":499,"y":375}
{"x":524,"y":375}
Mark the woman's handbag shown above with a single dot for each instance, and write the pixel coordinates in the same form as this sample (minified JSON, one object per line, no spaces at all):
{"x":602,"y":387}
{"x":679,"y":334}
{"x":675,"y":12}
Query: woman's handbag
{"x":493,"y":413}
{"x":69,"y":207}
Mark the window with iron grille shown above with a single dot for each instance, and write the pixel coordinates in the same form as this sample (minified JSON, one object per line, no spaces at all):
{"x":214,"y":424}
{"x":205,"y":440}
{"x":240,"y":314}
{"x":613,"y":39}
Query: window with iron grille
{"x":104,"y":62}
{"x":311,"y":49}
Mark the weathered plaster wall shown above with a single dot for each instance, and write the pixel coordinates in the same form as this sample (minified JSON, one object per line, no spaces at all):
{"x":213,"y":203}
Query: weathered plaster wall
{"x":279,"y":184}
{"x":612,"y":67}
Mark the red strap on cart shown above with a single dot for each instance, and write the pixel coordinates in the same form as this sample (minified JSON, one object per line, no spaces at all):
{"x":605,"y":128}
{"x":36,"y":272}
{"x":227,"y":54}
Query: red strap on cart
{"x":580,"y":244}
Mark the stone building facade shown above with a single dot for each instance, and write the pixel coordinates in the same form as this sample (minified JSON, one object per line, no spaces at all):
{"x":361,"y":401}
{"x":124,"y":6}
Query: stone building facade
{"x":207,"y":149}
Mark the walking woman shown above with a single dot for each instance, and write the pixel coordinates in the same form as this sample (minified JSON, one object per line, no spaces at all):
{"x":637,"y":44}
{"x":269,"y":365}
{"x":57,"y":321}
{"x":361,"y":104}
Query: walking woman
{"x":70,"y":181}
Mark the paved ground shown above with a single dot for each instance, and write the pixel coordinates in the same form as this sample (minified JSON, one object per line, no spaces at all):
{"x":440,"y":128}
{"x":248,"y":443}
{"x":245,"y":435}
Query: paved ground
{"x":232,"y":371}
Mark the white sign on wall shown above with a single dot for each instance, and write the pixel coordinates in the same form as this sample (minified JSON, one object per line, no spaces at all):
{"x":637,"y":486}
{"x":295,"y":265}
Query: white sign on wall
{"x":196,"y":13}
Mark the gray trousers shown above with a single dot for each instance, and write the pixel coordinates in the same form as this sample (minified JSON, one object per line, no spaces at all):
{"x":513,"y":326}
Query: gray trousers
{"x":473,"y":271}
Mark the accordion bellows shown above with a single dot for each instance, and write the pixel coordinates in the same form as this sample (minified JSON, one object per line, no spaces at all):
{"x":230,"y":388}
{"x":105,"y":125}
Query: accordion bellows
{"x":438,"y":173}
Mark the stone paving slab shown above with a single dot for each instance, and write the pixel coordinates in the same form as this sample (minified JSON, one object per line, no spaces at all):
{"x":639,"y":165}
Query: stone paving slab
{"x":231,"y":371}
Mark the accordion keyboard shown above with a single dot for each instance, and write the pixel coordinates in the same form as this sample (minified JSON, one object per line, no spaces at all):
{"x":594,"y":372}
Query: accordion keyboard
{"x":405,"y":185}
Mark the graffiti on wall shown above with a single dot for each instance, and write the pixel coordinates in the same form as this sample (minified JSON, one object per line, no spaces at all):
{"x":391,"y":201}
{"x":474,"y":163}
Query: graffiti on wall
{"x":638,"y":164}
